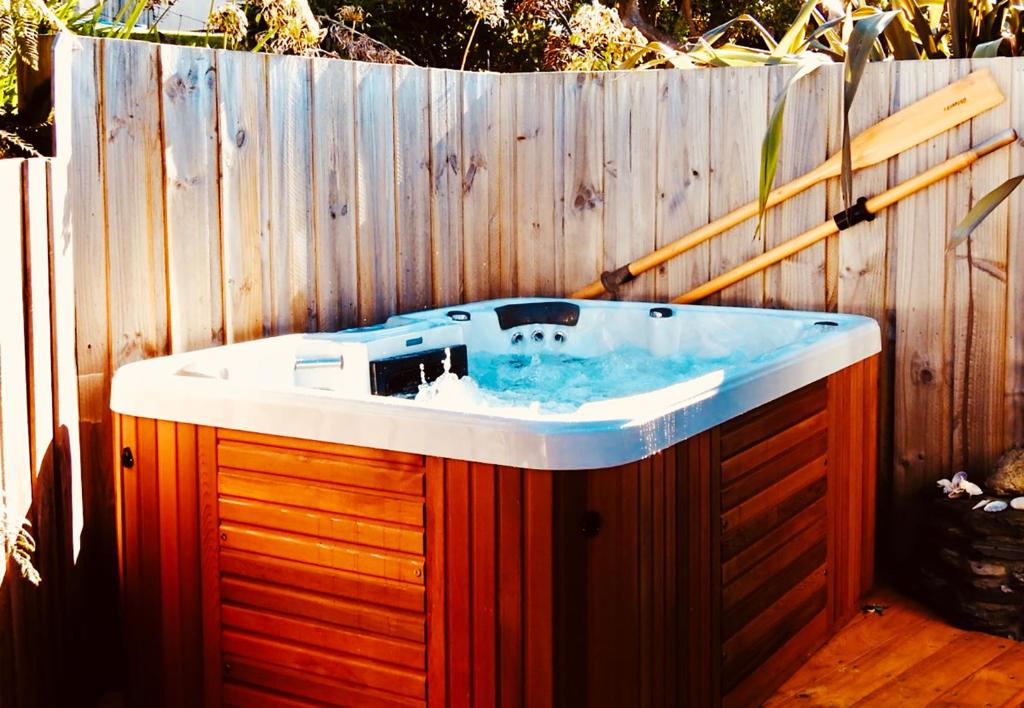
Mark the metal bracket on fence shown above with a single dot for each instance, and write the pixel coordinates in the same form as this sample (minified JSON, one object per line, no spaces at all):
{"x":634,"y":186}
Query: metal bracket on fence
{"x":854,"y":215}
{"x":613,"y":279}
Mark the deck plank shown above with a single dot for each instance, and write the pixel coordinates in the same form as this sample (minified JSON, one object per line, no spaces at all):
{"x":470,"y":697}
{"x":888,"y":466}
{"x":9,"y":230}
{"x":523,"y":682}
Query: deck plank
{"x":997,"y":683}
{"x":907,"y":657}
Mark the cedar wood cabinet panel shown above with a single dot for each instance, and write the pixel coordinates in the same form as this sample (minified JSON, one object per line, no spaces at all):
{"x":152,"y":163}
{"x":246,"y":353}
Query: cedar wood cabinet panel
{"x":261,"y":569}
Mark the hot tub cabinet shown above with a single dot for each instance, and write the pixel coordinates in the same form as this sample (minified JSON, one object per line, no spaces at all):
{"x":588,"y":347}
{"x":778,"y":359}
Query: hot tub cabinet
{"x":265,"y":569}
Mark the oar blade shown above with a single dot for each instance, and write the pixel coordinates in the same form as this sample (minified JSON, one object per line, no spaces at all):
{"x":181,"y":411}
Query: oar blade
{"x":922,"y":120}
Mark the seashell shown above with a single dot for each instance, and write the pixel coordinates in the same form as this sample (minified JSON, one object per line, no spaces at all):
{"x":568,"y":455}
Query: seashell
{"x":1017,"y":502}
{"x":971,"y":488}
{"x":959,"y":478}
{"x":980,"y":504}
{"x":994,"y":506}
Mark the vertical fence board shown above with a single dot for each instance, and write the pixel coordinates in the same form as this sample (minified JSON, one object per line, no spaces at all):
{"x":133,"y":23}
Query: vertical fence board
{"x":413,"y":187}
{"x":37,"y":310}
{"x":958,"y":299}
{"x":683,"y":143}
{"x":742,"y":95}
{"x":188,"y":90}
{"x":84,"y":226}
{"x":921,"y":428}
{"x":985,"y":360}
{"x":533,"y":183}
{"x":583,"y":191}
{"x":631,"y":169}
{"x":44,"y":615}
{"x":292,"y":248}
{"x":799,"y":281}
{"x":445,"y":186}
{"x":244,"y":201}
{"x":1013,"y":405}
{"x":375,"y":160}
{"x":334,"y":201}
{"x":481,"y":187}
{"x":77,"y":229}
{"x":65,"y":486}
{"x":504,"y":252}
{"x":15,"y":449}
{"x":135,"y":218}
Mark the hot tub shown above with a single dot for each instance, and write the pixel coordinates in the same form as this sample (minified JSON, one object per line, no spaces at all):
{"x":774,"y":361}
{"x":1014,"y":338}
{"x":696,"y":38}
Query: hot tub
{"x":623,"y":503}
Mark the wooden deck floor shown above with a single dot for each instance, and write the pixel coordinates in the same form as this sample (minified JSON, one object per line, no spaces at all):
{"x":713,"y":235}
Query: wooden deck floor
{"x":908,"y":657}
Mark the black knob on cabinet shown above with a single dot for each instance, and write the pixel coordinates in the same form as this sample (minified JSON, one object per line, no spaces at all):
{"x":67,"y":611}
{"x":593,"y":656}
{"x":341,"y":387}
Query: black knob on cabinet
{"x":127,"y":459}
{"x":590,"y":524}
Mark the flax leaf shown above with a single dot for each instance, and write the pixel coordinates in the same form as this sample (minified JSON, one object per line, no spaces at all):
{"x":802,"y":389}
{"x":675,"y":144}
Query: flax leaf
{"x":981,"y":209}
{"x":987,"y":50}
{"x":862,"y":39}
{"x":716,"y":33}
{"x":794,"y":37}
{"x":773,"y":137}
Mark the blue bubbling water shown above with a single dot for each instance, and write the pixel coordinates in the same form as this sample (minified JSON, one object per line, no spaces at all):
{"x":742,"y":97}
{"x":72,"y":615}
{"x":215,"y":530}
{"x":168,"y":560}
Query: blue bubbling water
{"x":550,"y":382}
{"x":557,"y":383}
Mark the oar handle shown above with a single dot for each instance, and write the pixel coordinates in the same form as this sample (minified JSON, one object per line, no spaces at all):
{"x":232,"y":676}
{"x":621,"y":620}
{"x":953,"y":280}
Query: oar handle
{"x":940,"y":171}
{"x":611,"y":280}
{"x":873,"y":205}
{"x":995,"y":142}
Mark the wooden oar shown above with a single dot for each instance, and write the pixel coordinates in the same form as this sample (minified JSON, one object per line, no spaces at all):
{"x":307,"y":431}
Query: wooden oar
{"x":932,"y":115}
{"x":872,"y":207}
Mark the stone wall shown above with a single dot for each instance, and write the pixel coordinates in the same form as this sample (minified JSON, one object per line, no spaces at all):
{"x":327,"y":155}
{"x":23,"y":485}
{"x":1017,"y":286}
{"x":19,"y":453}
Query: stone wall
{"x":972,"y":565}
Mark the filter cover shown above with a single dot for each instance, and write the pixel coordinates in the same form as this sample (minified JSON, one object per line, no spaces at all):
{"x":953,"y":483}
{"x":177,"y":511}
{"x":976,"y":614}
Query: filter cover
{"x":400,"y":375}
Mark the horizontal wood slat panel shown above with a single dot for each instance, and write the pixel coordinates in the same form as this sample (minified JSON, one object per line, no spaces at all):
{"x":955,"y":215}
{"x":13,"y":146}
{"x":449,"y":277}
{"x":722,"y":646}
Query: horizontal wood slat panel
{"x":309,"y":549}
{"x":772,"y":418}
{"x":749,"y":647}
{"x":240,"y":695}
{"x":747,"y":531}
{"x":350,"y":669}
{"x":763,"y":476}
{"x":737,"y":616}
{"x":743,"y":560}
{"x":320,"y":497}
{"x":321,"y":689}
{"x":320,"y":635}
{"x":348,"y":471}
{"x":753,"y":689}
{"x":368,"y":454}
{"x":741,"y":463}
{"x":389,"y":623}
{"x":332,"y":526}
{"x":314,"y":578}
{"x":768,"y":501}
{"x":738,"y":590}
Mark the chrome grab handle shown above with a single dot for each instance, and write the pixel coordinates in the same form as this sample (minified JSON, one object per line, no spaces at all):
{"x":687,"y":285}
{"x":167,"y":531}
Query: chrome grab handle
{"x":320,"y":363}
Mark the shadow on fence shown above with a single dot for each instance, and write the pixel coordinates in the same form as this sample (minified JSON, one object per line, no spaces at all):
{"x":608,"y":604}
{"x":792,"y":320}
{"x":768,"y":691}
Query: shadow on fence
{"x":60,"y":640}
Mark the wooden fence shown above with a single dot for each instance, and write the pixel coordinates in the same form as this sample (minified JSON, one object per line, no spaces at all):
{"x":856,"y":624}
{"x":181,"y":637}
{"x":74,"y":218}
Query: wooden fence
{"x":222,"y":196}
{"x":39,"y":474}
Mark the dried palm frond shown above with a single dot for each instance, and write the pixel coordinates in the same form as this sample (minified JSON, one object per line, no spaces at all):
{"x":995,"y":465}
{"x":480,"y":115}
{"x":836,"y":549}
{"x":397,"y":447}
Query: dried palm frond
{"x":18,"y":544}
{"x":490,"y":11}
{"x":231,"y":22}
{"x":349,"y":43}
{"x":544,"y":9}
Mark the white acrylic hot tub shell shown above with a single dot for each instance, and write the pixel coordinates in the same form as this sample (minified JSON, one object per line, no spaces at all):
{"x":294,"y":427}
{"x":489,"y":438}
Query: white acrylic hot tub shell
{"x":601,"y":434}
